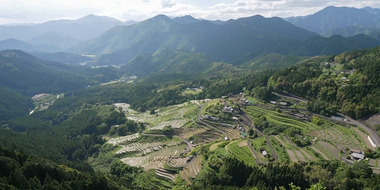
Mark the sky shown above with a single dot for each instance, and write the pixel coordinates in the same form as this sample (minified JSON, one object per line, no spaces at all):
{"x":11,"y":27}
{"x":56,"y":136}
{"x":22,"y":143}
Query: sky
{"x":37,"y":11}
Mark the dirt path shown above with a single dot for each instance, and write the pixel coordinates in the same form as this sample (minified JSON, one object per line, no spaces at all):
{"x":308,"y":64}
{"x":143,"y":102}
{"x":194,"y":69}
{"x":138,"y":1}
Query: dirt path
{"x":274,"y":154}
{"x":291,"y":155}
{"x":320,"y":152}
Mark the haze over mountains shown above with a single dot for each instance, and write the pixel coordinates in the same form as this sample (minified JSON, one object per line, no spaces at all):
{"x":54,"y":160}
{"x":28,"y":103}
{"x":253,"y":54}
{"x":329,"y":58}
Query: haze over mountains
{"x":113,"y":42}
{"x":332,"y":18}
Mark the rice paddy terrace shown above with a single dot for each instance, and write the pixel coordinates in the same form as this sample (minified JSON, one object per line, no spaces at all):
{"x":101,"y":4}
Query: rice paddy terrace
{"x":169,"y":157}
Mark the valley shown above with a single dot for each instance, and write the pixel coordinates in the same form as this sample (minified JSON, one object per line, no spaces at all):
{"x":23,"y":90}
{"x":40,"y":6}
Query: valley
{"x":177,"y":102}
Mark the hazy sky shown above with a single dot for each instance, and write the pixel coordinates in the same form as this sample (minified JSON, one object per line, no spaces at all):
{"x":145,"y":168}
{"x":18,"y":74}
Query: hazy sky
{"x":27,"y":11}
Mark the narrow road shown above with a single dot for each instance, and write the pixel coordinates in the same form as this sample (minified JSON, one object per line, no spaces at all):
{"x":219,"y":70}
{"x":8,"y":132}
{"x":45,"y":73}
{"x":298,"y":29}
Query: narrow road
{"x":274,"y":155}
{"x":257,"y":159}
{"x":291,"y":96}
{"x":248,"y":121}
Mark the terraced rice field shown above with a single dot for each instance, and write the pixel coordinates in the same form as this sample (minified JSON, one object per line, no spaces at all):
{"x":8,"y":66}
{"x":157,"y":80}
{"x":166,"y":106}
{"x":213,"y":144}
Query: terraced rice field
{"x":291,"y":155}
{"x":177,"y":162}
{"x":300,"y":156}
{"x":208,"y":136}
{"x":324,"y":156}
{"x":331,"y":149}
{"x":307,"y":155}
{"x":215,"y":146}
{"x":174,"y":123}
{"x":240,"y":150}
{"x":281,"y":119}
{"x":364,"y":138}
{"x":145,"y":147}
{"x":192,"y":170}
{"x":342,"y":137}
{"x":280,"y":141}
{"x":166,"y":174}
{"x":145,"y":160}
{"x":186,"y":134}
{"x":119,"y":140}
{"x":373,"y":162}
{"x":171,"y":115}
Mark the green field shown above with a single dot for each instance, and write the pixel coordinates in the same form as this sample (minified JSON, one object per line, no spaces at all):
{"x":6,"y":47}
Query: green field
{"x":241,"y":152}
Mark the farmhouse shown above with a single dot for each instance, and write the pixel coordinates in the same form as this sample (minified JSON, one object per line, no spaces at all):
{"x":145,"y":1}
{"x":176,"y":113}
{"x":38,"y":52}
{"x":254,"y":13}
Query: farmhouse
{"x":356,"y":156}
{"x":355,"y":151}
{"x":284,"y":103}
{"x":273,"y":102}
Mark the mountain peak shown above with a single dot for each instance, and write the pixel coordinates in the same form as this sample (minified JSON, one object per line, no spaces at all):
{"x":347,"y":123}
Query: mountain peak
{"x":91,"y":19}
{"x":187,"y":19}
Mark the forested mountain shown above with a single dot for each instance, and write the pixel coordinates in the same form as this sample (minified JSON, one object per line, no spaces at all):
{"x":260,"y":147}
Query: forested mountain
{"x":84,"y":28}
{"x":53,"y":42}
{"x":266,"y":61}
{"x":16,"y":44}
{"x":13,"y":104}
{"x":226,"y":42}
{"x":31,"y":75}
{"x":62,"y":57}
{"x":350,"y":31}
{"x":169,"y":62}
{"x":160,"y":34}
{"x":346,"y":83}
{"x":337,"y":17}
{"x":185,"y":20}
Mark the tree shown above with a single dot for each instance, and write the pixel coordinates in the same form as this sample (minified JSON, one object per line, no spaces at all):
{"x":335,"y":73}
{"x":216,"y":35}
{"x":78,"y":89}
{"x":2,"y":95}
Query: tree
{"x":317,"y":120}
{"x":168,"y":130}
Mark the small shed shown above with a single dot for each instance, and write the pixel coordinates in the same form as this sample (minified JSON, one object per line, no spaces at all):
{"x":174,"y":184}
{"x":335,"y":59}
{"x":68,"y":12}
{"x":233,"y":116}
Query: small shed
{"x":272,"y":102}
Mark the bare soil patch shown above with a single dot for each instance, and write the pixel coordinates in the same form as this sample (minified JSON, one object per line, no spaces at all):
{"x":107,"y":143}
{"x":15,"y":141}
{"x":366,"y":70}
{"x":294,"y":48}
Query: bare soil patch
{"x":291,"y":155}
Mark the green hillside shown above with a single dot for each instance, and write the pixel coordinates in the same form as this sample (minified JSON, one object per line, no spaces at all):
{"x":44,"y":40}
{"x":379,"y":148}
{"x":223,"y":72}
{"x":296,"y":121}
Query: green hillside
{"x":347,"y":83}
{"x":30,"y":75}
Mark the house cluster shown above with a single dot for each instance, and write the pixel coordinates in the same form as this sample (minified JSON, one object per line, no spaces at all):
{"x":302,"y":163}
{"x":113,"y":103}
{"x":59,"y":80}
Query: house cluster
{"x":208,"y":117}
{"x":263,"y":152}
{"x":241,"y":128}
{"x":300,"y":116}
{"x":356,"y":155}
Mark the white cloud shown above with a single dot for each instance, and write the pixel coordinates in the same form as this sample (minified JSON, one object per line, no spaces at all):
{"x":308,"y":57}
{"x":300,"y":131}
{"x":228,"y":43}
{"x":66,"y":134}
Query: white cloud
{"x":42,"y":10}
{"x":167,"y":3}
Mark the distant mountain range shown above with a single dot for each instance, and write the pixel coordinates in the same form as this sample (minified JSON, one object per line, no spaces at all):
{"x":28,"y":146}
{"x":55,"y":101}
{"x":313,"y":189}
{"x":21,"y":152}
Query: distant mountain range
{"x":58,"y":35}
{"x":224,"y":41}
{"x":329,"y":19}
